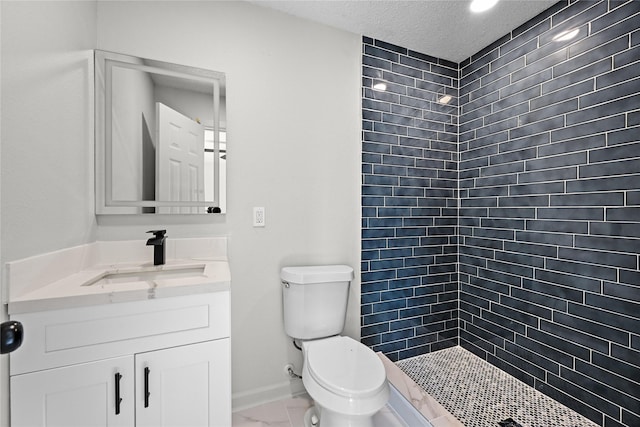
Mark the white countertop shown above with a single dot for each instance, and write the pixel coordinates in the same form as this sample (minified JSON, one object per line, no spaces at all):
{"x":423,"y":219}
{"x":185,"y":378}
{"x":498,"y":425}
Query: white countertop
{"x":85,"y":288}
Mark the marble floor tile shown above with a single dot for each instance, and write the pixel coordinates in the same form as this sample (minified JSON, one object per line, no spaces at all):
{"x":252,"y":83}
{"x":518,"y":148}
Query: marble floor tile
{"x":290,"y":413}
{"x":281,"y":413}
{"x":296,"y":408}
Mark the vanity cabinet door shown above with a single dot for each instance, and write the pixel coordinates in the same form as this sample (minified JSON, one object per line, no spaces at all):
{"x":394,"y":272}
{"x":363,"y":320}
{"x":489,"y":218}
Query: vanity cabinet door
{"x":184,"y":386}
{"x":83,"y":395}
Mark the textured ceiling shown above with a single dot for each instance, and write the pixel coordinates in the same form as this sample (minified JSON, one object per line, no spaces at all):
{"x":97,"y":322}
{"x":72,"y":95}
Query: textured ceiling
{"x":442,"y":28}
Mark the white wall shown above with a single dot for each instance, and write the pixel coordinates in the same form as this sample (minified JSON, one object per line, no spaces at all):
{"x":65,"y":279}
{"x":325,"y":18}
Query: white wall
{"x":46,"y":133}
{"x":294,"y":147}
{"x":293,"y":104}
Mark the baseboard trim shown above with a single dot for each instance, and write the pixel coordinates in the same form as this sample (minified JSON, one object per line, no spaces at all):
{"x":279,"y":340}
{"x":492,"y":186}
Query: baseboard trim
{"x":258,"y":396}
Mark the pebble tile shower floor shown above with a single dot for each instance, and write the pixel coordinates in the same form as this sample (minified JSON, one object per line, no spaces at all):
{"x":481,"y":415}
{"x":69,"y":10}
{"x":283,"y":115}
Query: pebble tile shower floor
{"x":481,"y":395}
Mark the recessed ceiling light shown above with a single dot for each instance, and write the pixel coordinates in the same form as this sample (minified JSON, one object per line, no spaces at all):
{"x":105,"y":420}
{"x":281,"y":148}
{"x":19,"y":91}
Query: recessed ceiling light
{"x":566,"y":35}
{"x":482,"y":5}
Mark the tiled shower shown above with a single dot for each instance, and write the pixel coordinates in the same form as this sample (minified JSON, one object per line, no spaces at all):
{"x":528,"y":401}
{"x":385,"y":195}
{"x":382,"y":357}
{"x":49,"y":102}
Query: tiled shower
{"x":508,"y":221}
{"x":409,"y":277}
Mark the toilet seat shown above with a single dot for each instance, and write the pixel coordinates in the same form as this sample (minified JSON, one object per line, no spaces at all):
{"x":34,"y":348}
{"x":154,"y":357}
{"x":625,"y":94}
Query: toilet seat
{"x":345,"y":367}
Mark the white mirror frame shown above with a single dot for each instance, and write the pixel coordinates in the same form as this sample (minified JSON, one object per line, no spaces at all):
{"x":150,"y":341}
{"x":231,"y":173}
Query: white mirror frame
{"x":104,"y":61}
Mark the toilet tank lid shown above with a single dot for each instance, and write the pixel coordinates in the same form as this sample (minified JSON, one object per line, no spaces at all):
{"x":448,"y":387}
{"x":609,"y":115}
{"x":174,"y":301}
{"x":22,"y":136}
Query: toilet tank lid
{"x":304,"y":275}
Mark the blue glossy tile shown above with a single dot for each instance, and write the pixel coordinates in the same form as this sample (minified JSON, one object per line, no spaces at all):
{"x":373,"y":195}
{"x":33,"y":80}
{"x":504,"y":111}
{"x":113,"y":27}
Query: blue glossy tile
{"x":633,"y":198}
{"x":630,"y":419}
{"x":621,"y":323}
{"x":589,"y":128}
{"x":376,"y":62}
{"x":538,"y":127}
{"x":371,"y":115}
{"x":389,"y":46}
{"x":481,"y":59}
{"x":381,"y":53}
{"x":547,"y":175}
{"x":540,"y":64}
{"x":619,"y":75}
{"x":447,"y":69}
{"x":618,"y":229}
{"x":605,"y":43}
{"x":533,"y":195}
{"x":616,"y":106}
{"x":575,"y":11}
{"x":381,"y":96}
{"x":610,"y":93}
{"x":414,"y":62}
{"x":510,"y":101}
{"x":379,"y":317}
{"x":609,"y":171}
{"x":635,"y":38}
{"x":509,"y":53}
{"x":563,"y":94}
{"x":388,"y":306}
{"x":573,"y":145}
{"x":616,"y":16}
{"x":406,"y":71}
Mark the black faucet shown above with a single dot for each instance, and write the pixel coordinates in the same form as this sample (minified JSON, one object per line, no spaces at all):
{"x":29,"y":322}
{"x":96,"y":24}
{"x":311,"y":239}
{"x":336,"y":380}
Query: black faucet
{"x":157,"y":242}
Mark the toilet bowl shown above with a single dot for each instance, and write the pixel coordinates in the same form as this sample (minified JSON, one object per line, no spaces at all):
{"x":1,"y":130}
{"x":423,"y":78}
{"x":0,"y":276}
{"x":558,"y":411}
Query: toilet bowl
{"x":346,"y":379}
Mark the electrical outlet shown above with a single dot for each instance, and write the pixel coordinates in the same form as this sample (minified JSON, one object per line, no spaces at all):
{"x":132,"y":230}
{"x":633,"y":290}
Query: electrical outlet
{"x":258,"y":217}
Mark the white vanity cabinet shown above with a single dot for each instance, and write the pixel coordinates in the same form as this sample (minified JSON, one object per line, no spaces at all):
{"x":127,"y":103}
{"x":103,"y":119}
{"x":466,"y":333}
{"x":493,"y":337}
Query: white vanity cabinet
{"x":157,"y":362}
{"x":78,"y":395}
{"x":180,"y":386}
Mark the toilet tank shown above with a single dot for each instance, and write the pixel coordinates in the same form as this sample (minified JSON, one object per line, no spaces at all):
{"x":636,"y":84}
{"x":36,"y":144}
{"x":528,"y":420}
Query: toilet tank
{"x":315,"y":300}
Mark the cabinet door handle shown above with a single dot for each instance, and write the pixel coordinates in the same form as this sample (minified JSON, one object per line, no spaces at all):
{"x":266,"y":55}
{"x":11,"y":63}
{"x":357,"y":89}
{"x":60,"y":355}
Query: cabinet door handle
{"x":118,"y":398}
{"x":146,"y":386}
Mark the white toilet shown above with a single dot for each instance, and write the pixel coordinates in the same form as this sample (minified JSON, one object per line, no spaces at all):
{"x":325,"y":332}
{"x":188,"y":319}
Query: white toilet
{"x":345,"y":378}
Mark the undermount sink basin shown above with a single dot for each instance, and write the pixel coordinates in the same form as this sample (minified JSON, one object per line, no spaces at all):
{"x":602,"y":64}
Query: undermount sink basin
{"x":147,"y":275}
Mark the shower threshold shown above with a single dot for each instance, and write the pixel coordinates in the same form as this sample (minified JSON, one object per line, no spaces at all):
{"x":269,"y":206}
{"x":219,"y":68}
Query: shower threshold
{"x":406,"y":413}
{"x":398,"y":412}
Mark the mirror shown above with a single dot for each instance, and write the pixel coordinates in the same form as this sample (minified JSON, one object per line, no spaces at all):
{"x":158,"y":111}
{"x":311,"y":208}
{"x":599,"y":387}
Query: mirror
{"x":160,"y":137}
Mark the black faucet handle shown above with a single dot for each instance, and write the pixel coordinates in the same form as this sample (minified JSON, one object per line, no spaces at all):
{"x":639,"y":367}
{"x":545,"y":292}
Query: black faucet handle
{"x":159,"y":234}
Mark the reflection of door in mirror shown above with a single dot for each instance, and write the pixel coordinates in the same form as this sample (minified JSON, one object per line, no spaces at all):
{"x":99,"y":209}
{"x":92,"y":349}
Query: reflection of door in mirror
{"x":130,"y":176}
{"x":179,"y":160}
{"x":210,"y":174}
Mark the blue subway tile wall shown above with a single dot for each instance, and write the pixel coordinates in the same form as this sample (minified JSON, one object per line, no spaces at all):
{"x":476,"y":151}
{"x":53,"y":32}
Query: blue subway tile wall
{"x":509,"y":222}
{"x":549,"y":174}
{"x":409,"y":202}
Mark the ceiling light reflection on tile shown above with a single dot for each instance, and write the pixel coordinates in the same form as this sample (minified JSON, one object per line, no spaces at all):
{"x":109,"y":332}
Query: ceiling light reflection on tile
{"x":566,"y":35}
{"x":379,"y":86}
{"x":478,"y":6}
{"x":445,"y":99}
{"x":442,"y":97}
